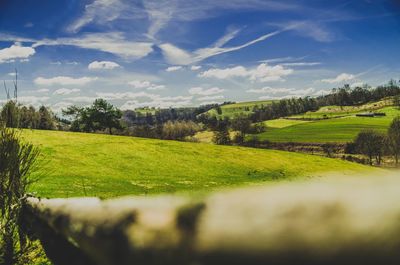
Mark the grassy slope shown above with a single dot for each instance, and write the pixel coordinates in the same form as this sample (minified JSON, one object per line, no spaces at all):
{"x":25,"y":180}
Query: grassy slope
{"x":331,"y":130}
{"x":74,"y":164}
{"x":335,"y":111}
{"x":231,"y":110}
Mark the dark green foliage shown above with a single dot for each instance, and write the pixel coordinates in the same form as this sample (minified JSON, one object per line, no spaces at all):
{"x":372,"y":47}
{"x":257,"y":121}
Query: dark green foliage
{"x":371,"y":144}
{"x":100,"y":116}
{"x":344,"y":96}
{"x":179,"y":130}
{"x":329,"y":149}
{"x":242,"y":124}
{"x":46,"y":119}
{"x":394,"y":138}
{"x":15,"y":115}
{"x":396,"y":101}
{"x":16,"y":161}
{"x":221,"y":137}
{"x":10,"y":114}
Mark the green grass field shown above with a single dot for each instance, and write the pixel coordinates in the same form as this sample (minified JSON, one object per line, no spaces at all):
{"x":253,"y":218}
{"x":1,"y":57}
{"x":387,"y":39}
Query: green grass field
{"x":331,"y":130}
{"x":282,"y":123}
{"x":340,"y":111}
{"x":76,"y":164}
{"x":231,"y":110}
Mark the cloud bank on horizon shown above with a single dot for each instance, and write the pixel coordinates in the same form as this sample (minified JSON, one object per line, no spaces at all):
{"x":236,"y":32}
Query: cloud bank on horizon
{"x":166,"y":53}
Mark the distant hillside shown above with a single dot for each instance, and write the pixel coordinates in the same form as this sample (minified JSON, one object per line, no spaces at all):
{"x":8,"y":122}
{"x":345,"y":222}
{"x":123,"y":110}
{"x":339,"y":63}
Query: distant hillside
{"x":231,"y":110}
{"x":332,"y":129}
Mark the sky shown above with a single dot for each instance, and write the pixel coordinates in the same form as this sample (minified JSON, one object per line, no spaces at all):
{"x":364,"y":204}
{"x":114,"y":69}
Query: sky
{"x":181,"y":53}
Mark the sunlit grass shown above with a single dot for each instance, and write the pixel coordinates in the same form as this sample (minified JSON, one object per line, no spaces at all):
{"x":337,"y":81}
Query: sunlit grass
{"x":77,"y":164}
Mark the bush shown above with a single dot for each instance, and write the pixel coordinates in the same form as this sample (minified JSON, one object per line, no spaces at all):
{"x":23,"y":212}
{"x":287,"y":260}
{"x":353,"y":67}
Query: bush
{"x":179,"y":130}
{"x":16,"y":161}
{"x":221,"y":137}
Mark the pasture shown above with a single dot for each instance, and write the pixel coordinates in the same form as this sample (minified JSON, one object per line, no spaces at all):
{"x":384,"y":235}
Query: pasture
{"x":230,"y":110}
{"x":78,"y":164}
{"x":329,"y":130}
{"x":341,"y":111}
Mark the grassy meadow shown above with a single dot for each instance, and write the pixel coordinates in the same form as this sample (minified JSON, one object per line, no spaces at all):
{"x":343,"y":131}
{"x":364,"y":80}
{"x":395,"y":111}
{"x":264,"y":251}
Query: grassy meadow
{"x":78,"y":164}
{"x":341,"y":111}
{"x":230,"y":110}
{"x":342,"y":129}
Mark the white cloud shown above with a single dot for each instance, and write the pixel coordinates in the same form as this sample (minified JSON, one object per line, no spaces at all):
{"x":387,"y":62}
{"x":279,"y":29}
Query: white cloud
{"x":159,"y":102}
{"x":140,"y":84}
{"x":81,"y":99}
{"x":173,"y":68}
{"x":205,"y":92}
{"x":66,"y":91}
{"x":339,"y":79}
{"x":265,"y":90}
{"x":195,"y":67}
{"x":261,"y":73}
{"x":112,"y":42}
{"x":358,"y":84}
{"x":146,"y":84}
{"x":32,"y":100}
{"x":103,"y":65}
{"x":59,"y":106}
{"x":64,"y":81}
{"x":126,"y":95}
{"x":15,"y":51}
{"x":301,"y":64}
{"x":99,"y":11}
{"x":274,"y":93}
{"x":210,"y":98}
{"x":175,"y":55}
{"x":312,"y":29}
{"x":160,"y":13}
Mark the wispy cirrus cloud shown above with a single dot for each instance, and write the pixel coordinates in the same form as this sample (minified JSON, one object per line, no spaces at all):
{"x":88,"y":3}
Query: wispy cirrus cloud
{"x":178,"y":56}
{"x":161,"y":13}
{"x":111,"y":42}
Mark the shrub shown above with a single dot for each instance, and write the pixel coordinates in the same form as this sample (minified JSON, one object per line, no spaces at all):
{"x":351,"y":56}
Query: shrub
{"x":221,"y":137}
{"x":16,"y":161}
{"x":179,"y":130}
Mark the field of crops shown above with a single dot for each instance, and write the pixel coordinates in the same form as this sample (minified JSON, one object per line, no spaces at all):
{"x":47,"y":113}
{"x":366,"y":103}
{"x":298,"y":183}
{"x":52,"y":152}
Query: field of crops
{"x":329,"y":130}
{"x":77,"y":164}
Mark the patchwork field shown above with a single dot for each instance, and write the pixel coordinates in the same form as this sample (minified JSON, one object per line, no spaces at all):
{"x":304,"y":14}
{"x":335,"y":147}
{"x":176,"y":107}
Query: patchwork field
{"x":330,"y":130}
{"x":340,"y":111}
{"x":76,"y":164}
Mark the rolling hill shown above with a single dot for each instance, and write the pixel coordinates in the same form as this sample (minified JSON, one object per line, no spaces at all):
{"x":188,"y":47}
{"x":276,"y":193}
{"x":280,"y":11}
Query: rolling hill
{"x":77,"y":164}
{"x":342,"y":129}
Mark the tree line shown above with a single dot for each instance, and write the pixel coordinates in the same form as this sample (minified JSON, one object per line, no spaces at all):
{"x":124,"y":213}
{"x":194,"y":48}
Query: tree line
{"x":376,"y":145}
{"x":344,"y":96}
{"x":15,"y":115}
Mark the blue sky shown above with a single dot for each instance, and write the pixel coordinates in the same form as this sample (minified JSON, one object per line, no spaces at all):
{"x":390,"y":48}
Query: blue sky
{"x":165,"y":53}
